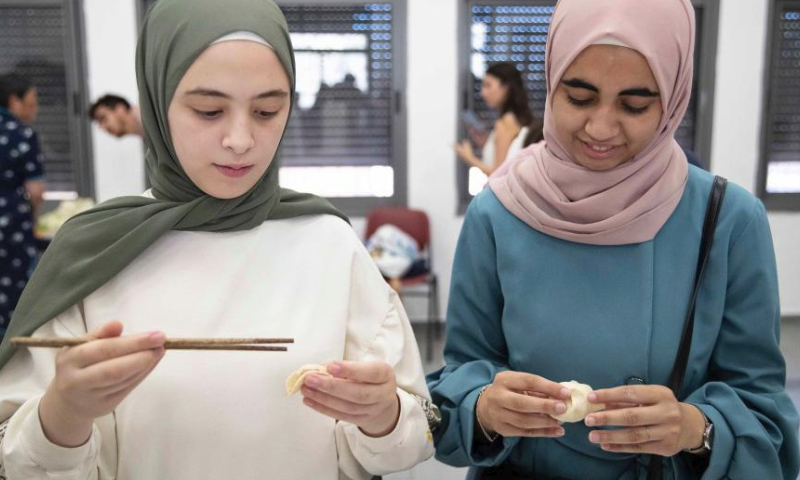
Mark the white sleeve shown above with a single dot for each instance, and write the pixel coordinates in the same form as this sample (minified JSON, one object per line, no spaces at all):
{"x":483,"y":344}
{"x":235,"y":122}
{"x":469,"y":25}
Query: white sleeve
{"x":25,"y":452}
{"x":379,"y":330}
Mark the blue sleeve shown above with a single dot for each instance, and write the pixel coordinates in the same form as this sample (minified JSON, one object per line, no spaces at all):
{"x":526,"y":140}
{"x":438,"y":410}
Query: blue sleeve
{"x":29,"y":166}
{"x":475,"y":350}
{"x":755,"y":422}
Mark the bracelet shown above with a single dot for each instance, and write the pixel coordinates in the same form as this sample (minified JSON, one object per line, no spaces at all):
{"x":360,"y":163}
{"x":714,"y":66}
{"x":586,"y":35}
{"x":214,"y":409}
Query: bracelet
{"x":708,"y":438}
{"x":491,"y":438}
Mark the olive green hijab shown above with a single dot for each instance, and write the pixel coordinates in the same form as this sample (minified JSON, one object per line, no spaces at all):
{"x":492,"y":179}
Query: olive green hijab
{"x":93,"y":247}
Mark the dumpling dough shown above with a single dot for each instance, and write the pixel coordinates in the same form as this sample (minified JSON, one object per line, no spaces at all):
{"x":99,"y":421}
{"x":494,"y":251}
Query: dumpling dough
{"x":578,"y":406}
{"x":298,"y":377}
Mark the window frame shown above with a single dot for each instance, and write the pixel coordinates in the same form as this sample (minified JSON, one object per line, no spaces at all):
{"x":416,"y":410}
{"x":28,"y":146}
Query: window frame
{"x":706,"y":80}
{"x":772,"y":201}
{"x":76,"y":73}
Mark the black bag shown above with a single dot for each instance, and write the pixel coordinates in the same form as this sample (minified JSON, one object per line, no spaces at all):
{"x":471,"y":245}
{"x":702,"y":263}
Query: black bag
{"x":682,"y":358}
{"x":509,"y":472}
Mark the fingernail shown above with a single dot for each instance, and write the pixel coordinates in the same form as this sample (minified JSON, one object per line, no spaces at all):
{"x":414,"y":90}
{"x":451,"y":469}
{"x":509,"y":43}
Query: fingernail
{"x":594,"y":437}
{"x":559,"y":431}
{"x":590,"y":421}
{"x":566,"y":393}
{"x":592,"y":397}
{"x":561,"y":423}
{"x":560,"y":407}
{"x":159,"y":351}
{"x":158,"y":337}
{"x":312,"y":382}
{"x":334,"y":369}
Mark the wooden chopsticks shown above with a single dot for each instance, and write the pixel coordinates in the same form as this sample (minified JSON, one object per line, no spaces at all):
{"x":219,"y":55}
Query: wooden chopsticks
{"x":249,"y":344}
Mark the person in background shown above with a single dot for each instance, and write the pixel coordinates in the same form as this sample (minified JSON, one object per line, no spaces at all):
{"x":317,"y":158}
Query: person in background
{"x":21,"y":189}
{"x":502,"y":89}
{"x":117,"y":116}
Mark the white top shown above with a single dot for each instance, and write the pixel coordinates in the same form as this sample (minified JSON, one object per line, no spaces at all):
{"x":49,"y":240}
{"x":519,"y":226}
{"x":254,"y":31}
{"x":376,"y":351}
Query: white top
{"x":516,"y":145}
{"x":225,"y":415}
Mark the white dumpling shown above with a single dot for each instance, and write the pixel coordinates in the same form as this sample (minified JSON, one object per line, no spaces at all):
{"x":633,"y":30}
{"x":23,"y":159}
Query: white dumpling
{"x":295,"y":381}
{"x":578,"y":406}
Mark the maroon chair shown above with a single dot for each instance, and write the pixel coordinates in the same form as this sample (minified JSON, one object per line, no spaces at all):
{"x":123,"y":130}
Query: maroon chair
{"x":415,"y":223}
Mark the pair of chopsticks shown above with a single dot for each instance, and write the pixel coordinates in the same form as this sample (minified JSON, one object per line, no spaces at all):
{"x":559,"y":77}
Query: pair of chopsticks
{"x":249,"y":344}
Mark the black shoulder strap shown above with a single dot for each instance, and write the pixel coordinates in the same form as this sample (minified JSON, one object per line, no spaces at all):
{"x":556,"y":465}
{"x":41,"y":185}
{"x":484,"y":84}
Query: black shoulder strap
{"x":682,"y":358}
{"x":710,"y":225}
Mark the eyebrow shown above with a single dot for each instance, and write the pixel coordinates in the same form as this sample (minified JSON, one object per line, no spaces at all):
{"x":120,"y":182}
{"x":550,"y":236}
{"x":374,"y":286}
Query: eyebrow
{"x":578,"y":83}
{"x":631,"y":92}
{"x":209,"y":92}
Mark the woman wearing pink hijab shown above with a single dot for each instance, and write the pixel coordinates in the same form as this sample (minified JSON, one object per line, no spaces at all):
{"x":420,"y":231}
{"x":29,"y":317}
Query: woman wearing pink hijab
{"x":579,"y":263}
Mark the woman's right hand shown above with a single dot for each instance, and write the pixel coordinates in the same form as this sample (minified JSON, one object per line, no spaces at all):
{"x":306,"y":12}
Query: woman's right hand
{"x":464,"y":152}
{"x":519,"y":404}
{"x":93,"y":378}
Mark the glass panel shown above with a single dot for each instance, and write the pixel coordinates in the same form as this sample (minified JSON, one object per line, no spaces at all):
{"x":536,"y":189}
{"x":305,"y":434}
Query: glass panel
{"x":338,"y":182}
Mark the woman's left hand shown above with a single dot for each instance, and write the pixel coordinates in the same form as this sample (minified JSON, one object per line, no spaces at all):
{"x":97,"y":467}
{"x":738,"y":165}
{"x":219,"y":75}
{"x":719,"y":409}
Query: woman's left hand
{"x":656,"y":422}
{"x":361,"y":393}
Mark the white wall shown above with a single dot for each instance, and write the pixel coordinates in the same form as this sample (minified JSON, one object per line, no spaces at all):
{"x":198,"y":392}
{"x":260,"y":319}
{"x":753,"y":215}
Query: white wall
{"x":432,"y":119}
{"x":432,"y":105}
{"x":111,"y":31}
{"x":738,"y":107}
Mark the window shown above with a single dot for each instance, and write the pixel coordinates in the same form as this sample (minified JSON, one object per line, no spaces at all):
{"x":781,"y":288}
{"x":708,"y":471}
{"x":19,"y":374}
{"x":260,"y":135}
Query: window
{"x":346,"y":139}
{"x":516,"y":31}
{"x":42,"y":40}
{"x":779,"y":178}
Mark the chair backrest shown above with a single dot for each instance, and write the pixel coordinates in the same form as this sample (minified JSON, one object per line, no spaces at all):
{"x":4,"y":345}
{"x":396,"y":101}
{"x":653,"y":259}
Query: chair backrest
{"x":413,"y":222}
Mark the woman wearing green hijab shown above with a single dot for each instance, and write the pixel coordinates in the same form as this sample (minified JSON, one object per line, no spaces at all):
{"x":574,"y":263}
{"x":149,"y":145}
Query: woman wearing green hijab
{"x":215,"y":249}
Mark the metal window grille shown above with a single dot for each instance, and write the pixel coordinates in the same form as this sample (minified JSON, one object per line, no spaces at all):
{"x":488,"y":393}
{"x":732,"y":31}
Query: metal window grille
{"x":779,"y":182}
{"x":41,"y":40}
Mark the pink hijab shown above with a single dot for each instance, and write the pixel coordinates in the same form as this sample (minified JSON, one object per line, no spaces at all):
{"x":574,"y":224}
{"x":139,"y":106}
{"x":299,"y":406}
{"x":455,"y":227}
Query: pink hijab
{"x":552,"y":193}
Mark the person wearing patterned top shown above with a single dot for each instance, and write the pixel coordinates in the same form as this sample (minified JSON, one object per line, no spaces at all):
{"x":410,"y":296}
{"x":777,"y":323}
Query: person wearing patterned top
{"x":21,"y":187}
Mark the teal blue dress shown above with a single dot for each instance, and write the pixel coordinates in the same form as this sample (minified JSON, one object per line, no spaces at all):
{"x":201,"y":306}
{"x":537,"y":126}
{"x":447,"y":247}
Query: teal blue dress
{"x":612,"y":315}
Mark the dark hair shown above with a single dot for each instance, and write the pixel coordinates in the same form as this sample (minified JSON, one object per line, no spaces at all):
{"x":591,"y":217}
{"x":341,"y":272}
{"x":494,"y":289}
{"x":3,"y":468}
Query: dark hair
{"x":13,"y":84}
{"x":110,"y":101}
{"x":517,"y":98}
{"x":535,"y":133}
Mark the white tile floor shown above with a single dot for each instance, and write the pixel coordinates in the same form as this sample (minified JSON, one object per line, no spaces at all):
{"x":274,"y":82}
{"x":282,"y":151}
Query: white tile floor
{"x":430,"y":470}
{"x":435,"y":470}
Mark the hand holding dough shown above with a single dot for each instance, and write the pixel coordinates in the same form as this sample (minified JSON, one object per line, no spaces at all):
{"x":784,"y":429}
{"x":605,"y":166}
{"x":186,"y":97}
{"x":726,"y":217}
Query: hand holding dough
{"x":295,"y":381}
{"x":578,"y":406}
